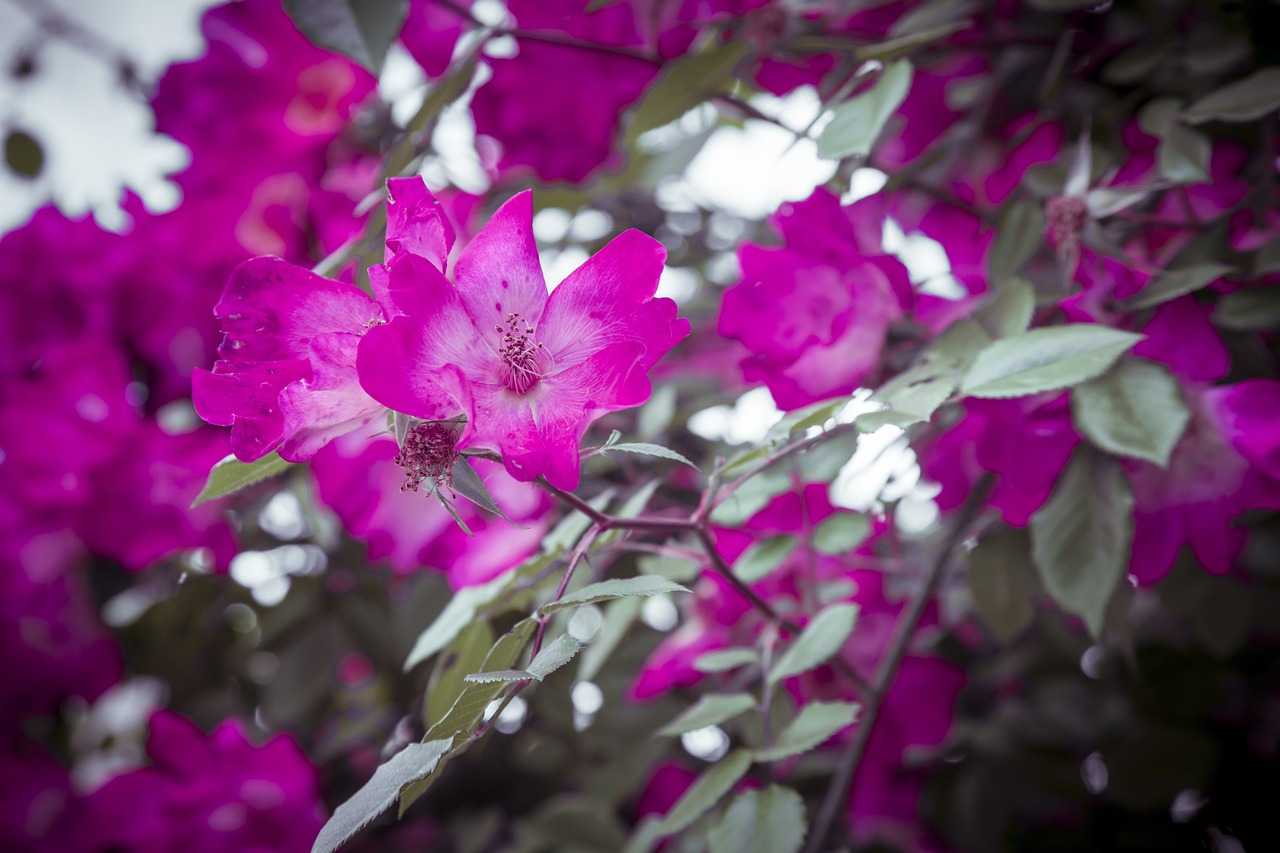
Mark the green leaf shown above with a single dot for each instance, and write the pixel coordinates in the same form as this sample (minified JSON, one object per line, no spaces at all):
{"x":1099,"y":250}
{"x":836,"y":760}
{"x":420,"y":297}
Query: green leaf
{"x":457,"y":614}
{"x":1249,"y":310}
{"x":1171,"y":284}
{"x":763,"y":557}
{"x":467,"y":710}
{"x":1002,"y":581}
{"x":1045,"y":360}
{"x":1184,"y":153}
{"x":685,"y":83}
{"x":705,"y":792}
{"x":930,"y":15}
{"x":841,"y":533}
{"x":1244,"y":100}
{"x":557,"y":653}
{"x":619,"y":616}
{"x":1134,"y":409}
{"x":815,"y":723}
{"x":416,"y":761}
{"x":816,"y":644}
{"x":465,"y":654}
{"x":232,"y":475}
{"x":768,"y":821}
{"x":642,"y":449}
{"x":708,"y":711}
{"x":643,"y":585}
{"x":914,"y":394}
{"x":1019,"y":235}
{"x":497,"y":675}
{"x":360,"y":29}
{"x":1080,"y":538}
{"x":724,"y":660}
{"x":467,"y":483}
{"x":1009,"y":310}
{"x":858,"y":122}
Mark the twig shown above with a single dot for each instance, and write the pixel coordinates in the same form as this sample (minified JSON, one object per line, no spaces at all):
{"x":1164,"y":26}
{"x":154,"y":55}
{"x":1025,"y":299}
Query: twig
{"x":889,"y":665}
{"x":722,"y":568}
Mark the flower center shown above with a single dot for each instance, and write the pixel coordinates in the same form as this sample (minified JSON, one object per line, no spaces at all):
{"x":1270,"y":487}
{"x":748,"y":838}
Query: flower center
{"x":1066,"y":217}
{"x":521,"y":358}
{"x":428,"y":453}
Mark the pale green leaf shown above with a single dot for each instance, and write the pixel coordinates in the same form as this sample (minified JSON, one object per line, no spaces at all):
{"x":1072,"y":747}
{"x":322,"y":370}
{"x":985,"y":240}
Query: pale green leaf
{"x":1009,"y":310}
{"x":457,"y":614}
{"x":496,"y":675}
{"x":1134,"y":409}
{"x":556,"y":654}
{"x":619,"y":616}
{"x":1045,"y":360}
{"x":416,"y":761}
{"x":464,"y":655}
{"x":1080,"y":538}
{"x":642,"y":449}
{"x":1183,"y":153}
{"x":723,"y":660}
{"x":815,"y":723}
{"x":1019,"y":235}
{"x":817,"y":643}
{"x":841,"y":533}
{"x":232,"y":475}
{"x":768,"y":821}
{"x":642,"y":585}
{"x":763,"y":557}
{"x":710,"y":710}
{"x":685,"y":83}
{"x":858,"y":122}
{"x":705,"y":792}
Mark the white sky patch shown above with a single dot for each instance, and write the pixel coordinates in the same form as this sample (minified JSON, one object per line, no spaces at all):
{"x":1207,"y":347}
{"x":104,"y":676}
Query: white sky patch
{"x":402,"y":84}
{"x":925,"y":260}
{"x":551,"y":225}
{"x":864,"y":182}
{"x":780,"y":167}
{"x":747,"y":420}
{"x":679,"y":283}
{"x":556,"y":265}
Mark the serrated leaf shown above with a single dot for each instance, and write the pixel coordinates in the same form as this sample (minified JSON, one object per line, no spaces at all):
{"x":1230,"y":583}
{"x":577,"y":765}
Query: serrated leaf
{"x":360,"y":29}
{"x":467,"y":710}
{"x":726,"y":659}
{"x":642,"y":585}
{"x":1257,"y":308}
{"x":768,"y":821}
{"x":705,"y":792}
{"x":496,"y":675}
{"x":642,"y":449}
{"x":1019,"y":235}
{"x":763,"y":557}
{"x":1134,"y":409}
{"x":1009,"y":310}
{"x":231,"y":475}
{"x":464,"y":655}
{"x":685,"y":83}
{"x":1244,"y":100}
{"x":467,"y":483}
{"x":858,"y":122}
{"x":1002,"y":581}
{"x":841,"y":533}
{"x":815,"y":723}
{"x":556,"y":654}
{"x":457,"y":614}
{"x":710,"y":710}
{"x":1045,"y":360}
{"x":817,"y":643}
{"x":1171,"y":284}
{"x":416,"y":761}
{"x":619,"y":616}
{"x":1080,"y":538}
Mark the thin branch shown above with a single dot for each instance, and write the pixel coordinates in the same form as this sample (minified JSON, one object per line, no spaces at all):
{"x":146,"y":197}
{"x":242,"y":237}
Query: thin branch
{"x":889,"y":665}
{"x":722,"y":568}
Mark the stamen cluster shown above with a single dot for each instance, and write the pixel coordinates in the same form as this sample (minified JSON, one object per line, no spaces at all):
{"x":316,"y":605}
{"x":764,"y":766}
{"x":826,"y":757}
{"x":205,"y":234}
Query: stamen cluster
{"x":518,"y":352}
{"x":428,"y":453}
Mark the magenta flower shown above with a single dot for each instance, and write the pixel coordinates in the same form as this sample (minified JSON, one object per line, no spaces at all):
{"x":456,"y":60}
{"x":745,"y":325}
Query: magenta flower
{"x":530,"y":371}
{"x":814,"y":314}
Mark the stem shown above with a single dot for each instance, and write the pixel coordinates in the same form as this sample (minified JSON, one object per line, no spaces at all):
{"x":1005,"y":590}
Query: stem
{"x":889,"y":665}
{"x":722,"y":568}
{"x":778,"y":455}
{"x":579,"y":552}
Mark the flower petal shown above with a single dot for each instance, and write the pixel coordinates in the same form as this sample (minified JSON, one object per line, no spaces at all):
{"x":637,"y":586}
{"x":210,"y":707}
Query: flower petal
{"x":245,"y":397}
{"x":416,"y":222}
{"x":329,"y":404}
{"x":498,"y":273}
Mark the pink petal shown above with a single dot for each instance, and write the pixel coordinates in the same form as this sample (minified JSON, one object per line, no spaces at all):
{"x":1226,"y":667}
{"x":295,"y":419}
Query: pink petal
{"x":330,"y":403}
{"x":609,"y":299}
{"x":246,"y":398}
{"x":400,"y":363}
{"x":416,"y":222}
{"x":498,"y":273}
{"x":1249,"y":413}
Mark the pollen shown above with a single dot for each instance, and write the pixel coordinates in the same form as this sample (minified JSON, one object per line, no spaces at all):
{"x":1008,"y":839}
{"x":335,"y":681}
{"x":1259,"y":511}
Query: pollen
{"x":521,"y":357}
{"x":428,"y":454}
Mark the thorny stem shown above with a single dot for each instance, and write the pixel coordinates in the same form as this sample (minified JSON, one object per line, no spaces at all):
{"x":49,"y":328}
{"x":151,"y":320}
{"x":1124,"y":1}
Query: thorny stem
{"x":579,"y":552}
{"x":722,"y":568}
{"x":889,"y":666}
{"x":548,"y":37}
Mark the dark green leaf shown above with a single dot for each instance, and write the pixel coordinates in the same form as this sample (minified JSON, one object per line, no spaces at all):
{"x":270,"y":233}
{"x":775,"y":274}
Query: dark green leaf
{"x":467,"y":483}
{"x":1184,"y":153}
{"x":360,"y":29}
{"x":1134,"y":409}
{"x":457,"y":614}
{"x":643,"y":585}
{"x":768,"y":821}
{"x":706,"y":791}
{"x":1045,"y":360}
{"x":464,"y":655}
{"x":1019,"y":235}
{"x":1244,"y":100}
{"x":710,"y":710}
{"x":416,"y":761}
{"x":1257,"y":308}
{"x":817,"y":643}
{"x":1002,"y":581}
{"x":1171,"y":284}
{"x":685,"y":83}
{"x":232,"y":475}
{"x":1080,"y":538}
{"x":1009,"y":310}
{"x":858,"y":122}
{"x":23,"y":154}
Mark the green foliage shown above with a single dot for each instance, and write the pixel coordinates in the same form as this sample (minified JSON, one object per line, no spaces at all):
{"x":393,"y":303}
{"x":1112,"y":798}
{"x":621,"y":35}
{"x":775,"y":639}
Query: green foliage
{"x":644,"y":586}
{"x":685,"y":83}
{"x":723,"y":660}
{"x":1134,"y":409}
{"x":817,"y":643}
{"x":641,"y":449}
{"x":1019,"y":235}
{"x":768,"y":821}
{"x":841,"y":533}
{"x":1242,"y":100}
{"x":1175,"y":282}
{"x":1045,"y":360}
{"x":858,"y":122}
{"x":231,"y":475}
{"x":1002,"y":580}
{"x":764,"y":557}
{"x":815,"y":723}
{"x":556,"y":654}
{"x":360,"y":29}
{"x":705,"y":792}
{"x":710,"y":710}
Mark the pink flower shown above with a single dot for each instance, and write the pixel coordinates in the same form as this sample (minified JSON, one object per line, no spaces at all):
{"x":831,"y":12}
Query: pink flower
{"x":431,"y":32}
{"x":531,"y":372}
{"x":814,"y":314}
